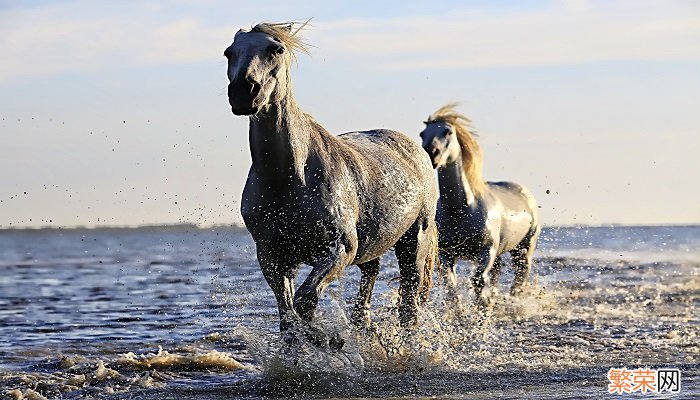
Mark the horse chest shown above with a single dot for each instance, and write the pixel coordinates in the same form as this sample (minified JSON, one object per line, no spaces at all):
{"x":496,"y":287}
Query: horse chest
{"x":463,"y":231}
{"x":287,"y":219}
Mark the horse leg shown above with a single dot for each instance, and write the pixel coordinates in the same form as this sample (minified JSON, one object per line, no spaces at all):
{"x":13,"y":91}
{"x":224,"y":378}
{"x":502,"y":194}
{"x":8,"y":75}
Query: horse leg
{"x":361,"y":312}
{"x":307,"y":296}
{"x":522,"y":261}
{"x":479,"y":281}
{"x":448,"y":269}
{"x":280,"y":278}
{"x":412,"y":251}
{"x":323,"y":273}
{"x":496,"y":272}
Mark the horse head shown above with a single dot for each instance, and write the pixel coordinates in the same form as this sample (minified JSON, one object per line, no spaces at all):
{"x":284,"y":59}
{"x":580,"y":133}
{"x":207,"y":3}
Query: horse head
{"x":440,"y":142}
{"x":447,"y":138}
{"x":258,"y":66}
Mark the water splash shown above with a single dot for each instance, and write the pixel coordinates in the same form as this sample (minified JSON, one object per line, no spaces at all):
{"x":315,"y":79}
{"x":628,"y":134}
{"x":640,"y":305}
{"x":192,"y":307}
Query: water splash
{"x":580,"y":316}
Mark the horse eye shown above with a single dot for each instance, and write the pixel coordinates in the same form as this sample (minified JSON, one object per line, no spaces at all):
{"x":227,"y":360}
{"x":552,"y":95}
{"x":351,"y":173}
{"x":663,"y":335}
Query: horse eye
{"x":275,"y":49}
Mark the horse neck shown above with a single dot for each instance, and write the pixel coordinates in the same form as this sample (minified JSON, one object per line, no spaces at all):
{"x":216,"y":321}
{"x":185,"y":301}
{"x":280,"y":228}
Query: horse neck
{"x":279,"y":140}
{"x":455,"y":190}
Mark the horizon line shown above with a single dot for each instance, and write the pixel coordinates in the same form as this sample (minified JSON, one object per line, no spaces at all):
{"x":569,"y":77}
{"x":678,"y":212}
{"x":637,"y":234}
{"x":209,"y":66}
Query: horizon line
{"x":239,"y":226}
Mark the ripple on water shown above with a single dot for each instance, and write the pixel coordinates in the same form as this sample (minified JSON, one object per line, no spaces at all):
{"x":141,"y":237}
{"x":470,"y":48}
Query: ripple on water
{"x":189,"y":316}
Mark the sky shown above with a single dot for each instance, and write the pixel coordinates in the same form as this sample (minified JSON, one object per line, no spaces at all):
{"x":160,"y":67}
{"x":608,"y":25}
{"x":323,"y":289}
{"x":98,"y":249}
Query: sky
{"x":115,"y":113}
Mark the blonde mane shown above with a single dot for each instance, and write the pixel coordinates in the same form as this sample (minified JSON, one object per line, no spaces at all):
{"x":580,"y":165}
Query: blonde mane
{"x":286,"y":34}
{"x":472,"y":158}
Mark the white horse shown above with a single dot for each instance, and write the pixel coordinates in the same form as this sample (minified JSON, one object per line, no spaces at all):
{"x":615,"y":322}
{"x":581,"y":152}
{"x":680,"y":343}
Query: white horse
{"x":322,"y":200}
{"x":477,"y":220}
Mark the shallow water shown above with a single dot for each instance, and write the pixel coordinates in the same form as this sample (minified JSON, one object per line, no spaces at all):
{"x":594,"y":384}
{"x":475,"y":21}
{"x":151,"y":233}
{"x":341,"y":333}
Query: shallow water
{"x":185,"y":313}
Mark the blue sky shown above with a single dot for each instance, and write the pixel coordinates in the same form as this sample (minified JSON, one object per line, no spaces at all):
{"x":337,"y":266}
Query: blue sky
{"x":115,"y":113}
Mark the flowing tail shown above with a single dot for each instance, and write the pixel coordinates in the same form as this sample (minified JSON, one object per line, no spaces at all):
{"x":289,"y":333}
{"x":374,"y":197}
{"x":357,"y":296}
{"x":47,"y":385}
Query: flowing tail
{"x":431,"y":259}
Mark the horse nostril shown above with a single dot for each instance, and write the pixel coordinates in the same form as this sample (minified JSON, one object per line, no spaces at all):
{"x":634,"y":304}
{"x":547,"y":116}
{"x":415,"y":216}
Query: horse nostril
{"x":254,"y":85}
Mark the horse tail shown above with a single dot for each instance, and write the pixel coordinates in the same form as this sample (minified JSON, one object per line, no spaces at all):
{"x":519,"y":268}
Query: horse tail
{"x":431,"y":259}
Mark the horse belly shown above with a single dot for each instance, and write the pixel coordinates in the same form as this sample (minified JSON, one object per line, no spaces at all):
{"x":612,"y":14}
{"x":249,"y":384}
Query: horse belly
{"x":374,"y":242}
{"x":464,"y":236}
{"x":381,"y":225}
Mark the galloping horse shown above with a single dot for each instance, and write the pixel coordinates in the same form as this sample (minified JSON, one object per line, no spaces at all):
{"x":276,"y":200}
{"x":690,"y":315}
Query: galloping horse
{"x":477,"y":220}
{"x":322,"y":200}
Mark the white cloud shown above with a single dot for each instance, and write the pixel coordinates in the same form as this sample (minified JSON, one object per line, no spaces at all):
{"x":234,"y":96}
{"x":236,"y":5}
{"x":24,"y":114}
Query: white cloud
{"x":564,"y":33}
{"x":81,"y":36}
{"x":73,"y":37}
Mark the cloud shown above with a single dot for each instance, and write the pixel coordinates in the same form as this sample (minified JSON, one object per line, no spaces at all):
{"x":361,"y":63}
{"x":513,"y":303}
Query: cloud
{"x":563,"y":33}
{"x":74,"y":37}
{"x":85,"y":36}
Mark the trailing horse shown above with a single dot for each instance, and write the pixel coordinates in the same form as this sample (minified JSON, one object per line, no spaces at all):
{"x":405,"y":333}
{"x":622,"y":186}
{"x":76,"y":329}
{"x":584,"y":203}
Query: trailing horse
{"x":323,"y":200}
{"x":477,"y":220}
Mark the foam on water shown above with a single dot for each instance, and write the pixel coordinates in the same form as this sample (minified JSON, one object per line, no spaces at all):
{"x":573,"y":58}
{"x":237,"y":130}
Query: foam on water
{"x":577,"y":318}
{"x":124,"y":373}
{"x":210,"y":360}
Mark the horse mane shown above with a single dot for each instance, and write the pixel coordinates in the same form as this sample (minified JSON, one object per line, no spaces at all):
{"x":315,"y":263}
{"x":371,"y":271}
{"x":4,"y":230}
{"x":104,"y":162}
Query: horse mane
{"x":472,"y":158}
{"x":286,"y":34}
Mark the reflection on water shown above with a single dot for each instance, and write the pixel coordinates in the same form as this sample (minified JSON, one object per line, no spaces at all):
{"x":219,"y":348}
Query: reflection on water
{"x":165,"y":313}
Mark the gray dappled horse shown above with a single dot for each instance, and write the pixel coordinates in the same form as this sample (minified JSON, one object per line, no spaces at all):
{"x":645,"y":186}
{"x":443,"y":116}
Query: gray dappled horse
{"x":323,"y":200}
{"x":477,"y":220}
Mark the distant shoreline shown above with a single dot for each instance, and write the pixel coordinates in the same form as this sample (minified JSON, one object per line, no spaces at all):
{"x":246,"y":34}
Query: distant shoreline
{"x":237,"y":227}
{"x":151,"y":227}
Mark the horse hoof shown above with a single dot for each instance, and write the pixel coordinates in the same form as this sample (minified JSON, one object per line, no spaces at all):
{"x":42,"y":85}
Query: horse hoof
{"x":290,"y":337}
{"x":321,"y":339}
{"x":368,"y":329}
{"x":316,"y":336}
{"x":517,"y":290}
{"x":484,"y":302}
{"x":336,"y":342}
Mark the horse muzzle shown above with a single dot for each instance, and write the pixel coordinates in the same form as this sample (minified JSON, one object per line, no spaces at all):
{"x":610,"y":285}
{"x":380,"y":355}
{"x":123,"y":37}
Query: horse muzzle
{"x":434,"y":155}
{"x":241,"y":96}
{"x":244,"y":110}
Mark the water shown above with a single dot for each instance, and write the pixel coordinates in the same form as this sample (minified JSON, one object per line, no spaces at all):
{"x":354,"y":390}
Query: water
{"x":185,"y":313}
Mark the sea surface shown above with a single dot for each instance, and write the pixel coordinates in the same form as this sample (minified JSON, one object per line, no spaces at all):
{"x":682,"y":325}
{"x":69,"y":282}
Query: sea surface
{"x":184,"y":313}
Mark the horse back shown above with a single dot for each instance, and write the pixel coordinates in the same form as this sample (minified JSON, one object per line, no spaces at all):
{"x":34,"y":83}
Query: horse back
{"x":388,"y":163}
{"x":394,"y":183}
{"x":381,"y":145}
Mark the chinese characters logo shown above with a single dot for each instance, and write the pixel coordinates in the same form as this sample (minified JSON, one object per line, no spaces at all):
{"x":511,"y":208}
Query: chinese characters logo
{"x":644,"y":380}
